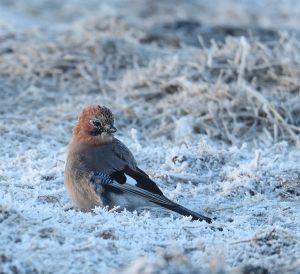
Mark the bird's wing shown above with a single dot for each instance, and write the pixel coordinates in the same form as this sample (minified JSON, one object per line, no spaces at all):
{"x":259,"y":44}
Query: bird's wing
{"x":118,"y":162}
{"x":123,"y":165}
{"x":121,"y":152}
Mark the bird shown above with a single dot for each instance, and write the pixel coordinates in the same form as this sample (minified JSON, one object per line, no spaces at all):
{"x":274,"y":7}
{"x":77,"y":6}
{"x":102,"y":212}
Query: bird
{"x":101,"y":171}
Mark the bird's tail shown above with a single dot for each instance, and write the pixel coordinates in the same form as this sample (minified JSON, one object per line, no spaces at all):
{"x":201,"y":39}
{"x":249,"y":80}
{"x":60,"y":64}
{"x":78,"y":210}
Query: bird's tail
{"x":186,"y":212}
{"x":158,"y":199}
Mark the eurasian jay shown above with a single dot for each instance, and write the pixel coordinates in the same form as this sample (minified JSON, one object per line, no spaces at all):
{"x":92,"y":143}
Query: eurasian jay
{"x":98,"y":166}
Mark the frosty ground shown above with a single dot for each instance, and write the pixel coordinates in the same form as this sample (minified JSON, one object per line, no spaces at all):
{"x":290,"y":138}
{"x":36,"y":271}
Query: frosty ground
{"x":213,"y":119}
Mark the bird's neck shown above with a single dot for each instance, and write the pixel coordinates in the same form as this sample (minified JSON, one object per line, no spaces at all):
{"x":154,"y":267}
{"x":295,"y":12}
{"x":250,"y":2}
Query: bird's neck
{"x":93,"y":140}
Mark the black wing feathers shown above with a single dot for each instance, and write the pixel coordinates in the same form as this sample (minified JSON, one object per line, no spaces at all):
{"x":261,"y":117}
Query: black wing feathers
{"x":119,"y":176}
{"x":143,"y":180}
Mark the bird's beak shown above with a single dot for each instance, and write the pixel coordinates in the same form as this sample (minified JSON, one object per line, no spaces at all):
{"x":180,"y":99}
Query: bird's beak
{"x":112,"y":129}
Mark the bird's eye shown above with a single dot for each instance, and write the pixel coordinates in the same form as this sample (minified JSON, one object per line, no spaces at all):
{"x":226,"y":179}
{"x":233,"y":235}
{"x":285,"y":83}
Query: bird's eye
{"x":96,"y":123}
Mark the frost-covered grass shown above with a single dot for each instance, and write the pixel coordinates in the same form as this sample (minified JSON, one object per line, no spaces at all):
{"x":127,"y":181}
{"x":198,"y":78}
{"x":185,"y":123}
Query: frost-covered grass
{"x":215,"y":123}
{"x":254,"y":197}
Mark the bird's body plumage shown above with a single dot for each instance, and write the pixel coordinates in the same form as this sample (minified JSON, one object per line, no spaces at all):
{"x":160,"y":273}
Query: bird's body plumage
{"x":113,"y":159}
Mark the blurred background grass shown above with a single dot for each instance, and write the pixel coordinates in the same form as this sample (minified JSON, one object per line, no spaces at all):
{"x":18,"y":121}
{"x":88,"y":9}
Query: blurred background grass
{"x":230,"y":68}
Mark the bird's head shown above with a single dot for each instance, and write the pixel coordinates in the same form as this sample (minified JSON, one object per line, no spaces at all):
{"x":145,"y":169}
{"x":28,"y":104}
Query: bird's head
{"x":95,"y":125}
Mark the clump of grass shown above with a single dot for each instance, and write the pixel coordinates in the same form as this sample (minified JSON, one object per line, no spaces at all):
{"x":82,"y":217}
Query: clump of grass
{"x":240,"y":91}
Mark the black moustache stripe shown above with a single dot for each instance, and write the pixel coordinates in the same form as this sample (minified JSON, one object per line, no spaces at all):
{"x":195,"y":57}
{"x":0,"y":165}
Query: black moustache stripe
{"x":96,"y":131}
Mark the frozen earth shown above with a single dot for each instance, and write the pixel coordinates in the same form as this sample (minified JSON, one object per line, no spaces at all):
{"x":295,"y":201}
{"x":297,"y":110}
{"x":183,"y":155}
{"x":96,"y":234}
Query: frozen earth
{"x":207,"y":98}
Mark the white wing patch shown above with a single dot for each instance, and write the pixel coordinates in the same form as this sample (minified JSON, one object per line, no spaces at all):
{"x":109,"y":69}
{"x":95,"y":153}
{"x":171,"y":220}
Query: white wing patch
{"x":130,"y":180}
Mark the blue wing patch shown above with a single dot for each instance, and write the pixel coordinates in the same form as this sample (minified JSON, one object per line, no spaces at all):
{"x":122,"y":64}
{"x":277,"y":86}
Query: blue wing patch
{"x":102,"y":178}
